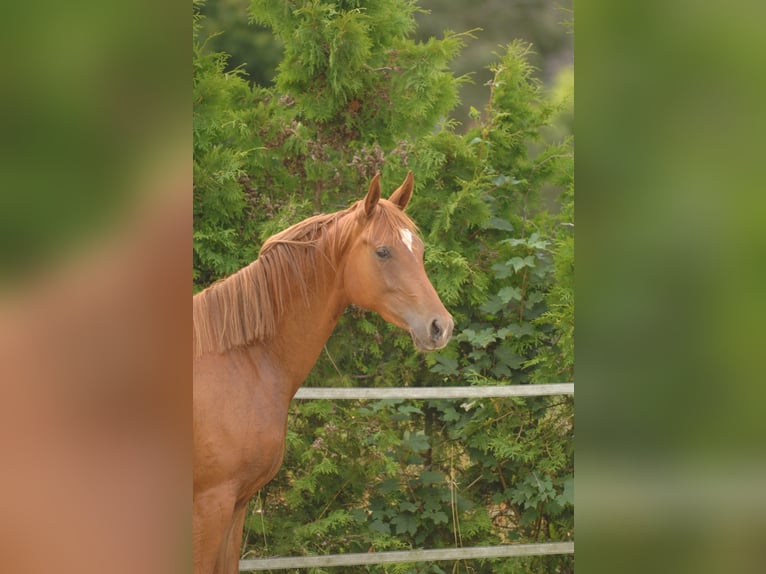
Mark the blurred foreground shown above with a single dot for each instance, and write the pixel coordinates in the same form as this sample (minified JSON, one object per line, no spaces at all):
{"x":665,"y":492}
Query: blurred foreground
{"x":95,"y":237}
{"x":671,"y":245}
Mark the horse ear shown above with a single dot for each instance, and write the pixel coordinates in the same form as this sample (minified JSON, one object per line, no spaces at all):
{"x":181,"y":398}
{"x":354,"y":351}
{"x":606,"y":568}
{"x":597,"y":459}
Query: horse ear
{"x":373,"y":195}
{"x":401,"y":196}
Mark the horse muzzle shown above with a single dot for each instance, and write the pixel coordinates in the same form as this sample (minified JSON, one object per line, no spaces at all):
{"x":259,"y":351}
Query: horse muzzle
{"x":435,"y":334}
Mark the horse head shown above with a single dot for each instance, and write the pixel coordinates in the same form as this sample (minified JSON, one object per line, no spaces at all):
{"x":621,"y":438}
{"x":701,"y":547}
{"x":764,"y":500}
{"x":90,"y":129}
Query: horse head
{"x":384,"y":269}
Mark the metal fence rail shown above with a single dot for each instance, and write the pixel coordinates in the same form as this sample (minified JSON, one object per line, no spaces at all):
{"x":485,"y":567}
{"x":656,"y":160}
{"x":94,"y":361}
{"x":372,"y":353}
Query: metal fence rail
{"x":399,"y":556}
{"x":474,"y":552}
{"x":436,"y":392}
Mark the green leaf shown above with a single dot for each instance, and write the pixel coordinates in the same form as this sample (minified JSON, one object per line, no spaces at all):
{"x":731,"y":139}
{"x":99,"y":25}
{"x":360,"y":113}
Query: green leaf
{"x":358,"y":514}
{"x":417,"y":442}
{"x":432,"y":477}
{"x":492,"y":305}
{"x":389,"y":485}
{"x":481,"y":339}
{"x":378,"y":525}
{"x":449,"y":414}
{"x":567,"y":497}
{"x":521,"y":329}
{"x":408,"y":409}
{"x":508,"y":294}
{"x":519,"y":263}
{"x":406,"y":506}
{"x":405,"y":523}
{"x":502,"y":270}
{"x":438,"y":517}
{"x":508,"y":358}
{"x":498,"y":223}
{"x":445,"y":365}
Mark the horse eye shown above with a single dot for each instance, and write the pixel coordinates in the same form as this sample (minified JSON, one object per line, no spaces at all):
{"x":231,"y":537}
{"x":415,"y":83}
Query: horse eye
{"x":383,"y":252}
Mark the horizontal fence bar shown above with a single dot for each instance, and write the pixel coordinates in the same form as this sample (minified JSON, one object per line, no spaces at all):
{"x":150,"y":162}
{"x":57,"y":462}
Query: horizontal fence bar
{"x":471,"y":553}
{"x":435,"y":392}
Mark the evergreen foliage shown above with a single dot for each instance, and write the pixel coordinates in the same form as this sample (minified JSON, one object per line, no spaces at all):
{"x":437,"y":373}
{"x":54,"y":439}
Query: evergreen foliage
{"x":355,"y":95}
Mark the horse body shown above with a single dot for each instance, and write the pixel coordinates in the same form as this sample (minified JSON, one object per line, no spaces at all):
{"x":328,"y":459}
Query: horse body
{"x":246,"y":370}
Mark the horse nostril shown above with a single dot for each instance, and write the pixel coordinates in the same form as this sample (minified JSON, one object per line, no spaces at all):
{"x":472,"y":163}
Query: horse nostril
{"x":436,"y":330}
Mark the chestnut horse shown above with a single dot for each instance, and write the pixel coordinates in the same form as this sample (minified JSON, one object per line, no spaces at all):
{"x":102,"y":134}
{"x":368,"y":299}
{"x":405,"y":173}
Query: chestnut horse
{"x":258,"y":333}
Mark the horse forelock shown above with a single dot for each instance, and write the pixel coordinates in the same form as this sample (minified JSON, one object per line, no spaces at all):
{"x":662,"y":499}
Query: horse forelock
{"x":388,"y":222}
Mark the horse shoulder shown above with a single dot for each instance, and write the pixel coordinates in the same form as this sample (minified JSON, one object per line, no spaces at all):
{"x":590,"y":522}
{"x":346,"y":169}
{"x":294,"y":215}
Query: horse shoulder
{"x":240,"y":416}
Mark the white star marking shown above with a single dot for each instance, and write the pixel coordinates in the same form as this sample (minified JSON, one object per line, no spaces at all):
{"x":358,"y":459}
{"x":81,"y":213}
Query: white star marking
{"x":406,"y":236}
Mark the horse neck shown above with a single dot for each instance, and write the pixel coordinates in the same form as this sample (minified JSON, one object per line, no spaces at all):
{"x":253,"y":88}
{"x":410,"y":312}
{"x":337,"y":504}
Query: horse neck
{"x":305,"y":326}
{"x":303,"y":332}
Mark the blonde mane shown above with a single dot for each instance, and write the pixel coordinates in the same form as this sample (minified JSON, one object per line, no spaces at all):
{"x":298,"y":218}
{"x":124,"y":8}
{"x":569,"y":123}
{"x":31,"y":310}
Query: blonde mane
{"x":246,"y":306}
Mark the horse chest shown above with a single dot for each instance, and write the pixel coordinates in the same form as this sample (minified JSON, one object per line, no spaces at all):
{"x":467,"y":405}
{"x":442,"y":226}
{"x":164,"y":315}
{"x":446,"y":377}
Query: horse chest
{"x":256,"y":439}
{"x":240,"y":430}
